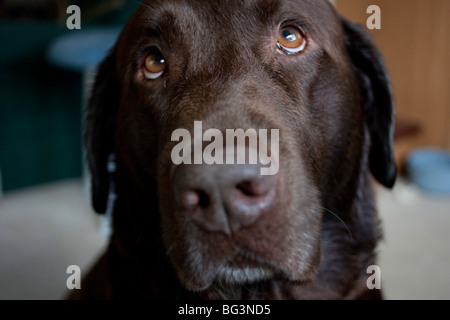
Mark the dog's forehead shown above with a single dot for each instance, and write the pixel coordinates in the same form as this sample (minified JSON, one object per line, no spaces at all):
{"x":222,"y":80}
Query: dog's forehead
{"x":202,"y":18}
{"x":217,"y":33}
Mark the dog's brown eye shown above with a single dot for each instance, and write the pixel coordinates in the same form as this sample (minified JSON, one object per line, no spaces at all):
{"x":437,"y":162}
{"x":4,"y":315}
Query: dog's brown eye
{"x":291,"y":39}
{"x":154,"y":65}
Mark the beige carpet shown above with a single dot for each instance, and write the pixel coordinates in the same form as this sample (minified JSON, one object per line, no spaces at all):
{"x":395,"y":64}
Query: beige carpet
{"x":45,"y":229}
{"x":415,"y":255}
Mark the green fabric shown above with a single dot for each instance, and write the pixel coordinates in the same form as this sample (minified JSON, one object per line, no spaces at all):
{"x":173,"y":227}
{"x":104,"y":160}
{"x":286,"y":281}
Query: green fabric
{"x":40,"y":109}
{"x":40,"y":105}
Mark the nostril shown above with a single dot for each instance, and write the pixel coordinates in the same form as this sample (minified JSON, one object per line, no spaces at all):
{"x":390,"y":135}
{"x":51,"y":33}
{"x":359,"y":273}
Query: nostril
{"x":254,"y":187}
{"x":248,"y":200}
{"x":204,"y":199}
{"x":223,"y":198}
{"x":246,"y":188}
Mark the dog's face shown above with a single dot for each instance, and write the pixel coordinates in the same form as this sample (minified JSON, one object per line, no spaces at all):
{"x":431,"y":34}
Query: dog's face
{"x":290,"y":65}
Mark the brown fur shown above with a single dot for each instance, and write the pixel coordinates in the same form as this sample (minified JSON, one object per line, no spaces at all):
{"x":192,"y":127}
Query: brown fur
{"x":332,"y":104}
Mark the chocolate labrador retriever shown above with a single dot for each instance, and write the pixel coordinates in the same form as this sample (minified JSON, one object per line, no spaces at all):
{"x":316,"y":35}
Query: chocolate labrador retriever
{"x":204,"y":229}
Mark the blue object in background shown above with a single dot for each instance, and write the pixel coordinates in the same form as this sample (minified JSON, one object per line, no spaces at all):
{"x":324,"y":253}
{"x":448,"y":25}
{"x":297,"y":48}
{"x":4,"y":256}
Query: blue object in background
{"x":43,"y":75}
{"x":429,"y":169}
{"x":83,"y":49}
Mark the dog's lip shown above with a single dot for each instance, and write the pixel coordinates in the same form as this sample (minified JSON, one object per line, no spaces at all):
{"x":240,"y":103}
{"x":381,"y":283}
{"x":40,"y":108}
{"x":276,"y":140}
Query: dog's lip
{"x":245,"y":268}
{"x":244,"y":259}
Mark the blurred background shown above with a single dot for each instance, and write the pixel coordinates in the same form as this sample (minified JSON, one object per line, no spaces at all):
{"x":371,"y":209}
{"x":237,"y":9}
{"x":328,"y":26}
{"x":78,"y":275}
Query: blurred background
{"x":46,"y":223}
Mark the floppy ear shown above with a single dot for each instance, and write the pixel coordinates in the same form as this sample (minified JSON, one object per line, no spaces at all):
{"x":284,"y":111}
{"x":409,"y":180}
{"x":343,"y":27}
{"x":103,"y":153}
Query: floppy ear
{"x":99,"y":124}
{"x":377,"y":99}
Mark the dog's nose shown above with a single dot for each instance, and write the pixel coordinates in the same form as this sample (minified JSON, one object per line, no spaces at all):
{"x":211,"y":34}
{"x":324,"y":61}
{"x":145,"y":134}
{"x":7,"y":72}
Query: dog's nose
{"x":223,"y":198}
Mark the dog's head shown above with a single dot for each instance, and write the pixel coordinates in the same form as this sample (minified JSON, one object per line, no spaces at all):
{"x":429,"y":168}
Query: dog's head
{"x":294,"y":68}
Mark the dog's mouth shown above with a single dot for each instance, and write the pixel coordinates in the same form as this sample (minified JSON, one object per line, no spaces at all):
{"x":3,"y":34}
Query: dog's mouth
{"x":209,"y":260}
{"x":246,"y":267}
{"x":221,"y":227}
{"x":242,"y":267}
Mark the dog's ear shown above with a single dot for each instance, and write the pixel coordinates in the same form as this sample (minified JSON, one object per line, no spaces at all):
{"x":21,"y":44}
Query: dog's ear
{"x":99,"y":130}
{"x":377,"y":99}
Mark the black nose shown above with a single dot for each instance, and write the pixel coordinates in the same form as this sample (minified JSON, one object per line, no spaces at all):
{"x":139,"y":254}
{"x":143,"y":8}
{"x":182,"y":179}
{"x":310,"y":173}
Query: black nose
{"x":225,"y":197}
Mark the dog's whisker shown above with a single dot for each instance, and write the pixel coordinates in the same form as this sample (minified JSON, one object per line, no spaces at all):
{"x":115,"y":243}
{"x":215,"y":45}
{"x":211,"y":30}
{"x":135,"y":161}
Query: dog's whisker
{"x":342,"y":221}
{"x":143,"y":5}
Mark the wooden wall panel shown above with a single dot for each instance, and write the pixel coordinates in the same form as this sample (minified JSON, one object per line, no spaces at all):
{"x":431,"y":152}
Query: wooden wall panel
{"x":415,"y":41}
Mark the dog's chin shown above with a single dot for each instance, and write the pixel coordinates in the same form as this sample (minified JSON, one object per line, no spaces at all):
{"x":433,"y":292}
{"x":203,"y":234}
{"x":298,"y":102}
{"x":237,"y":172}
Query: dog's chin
{"x":229,"y":274}
{"x":239,"y":275}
